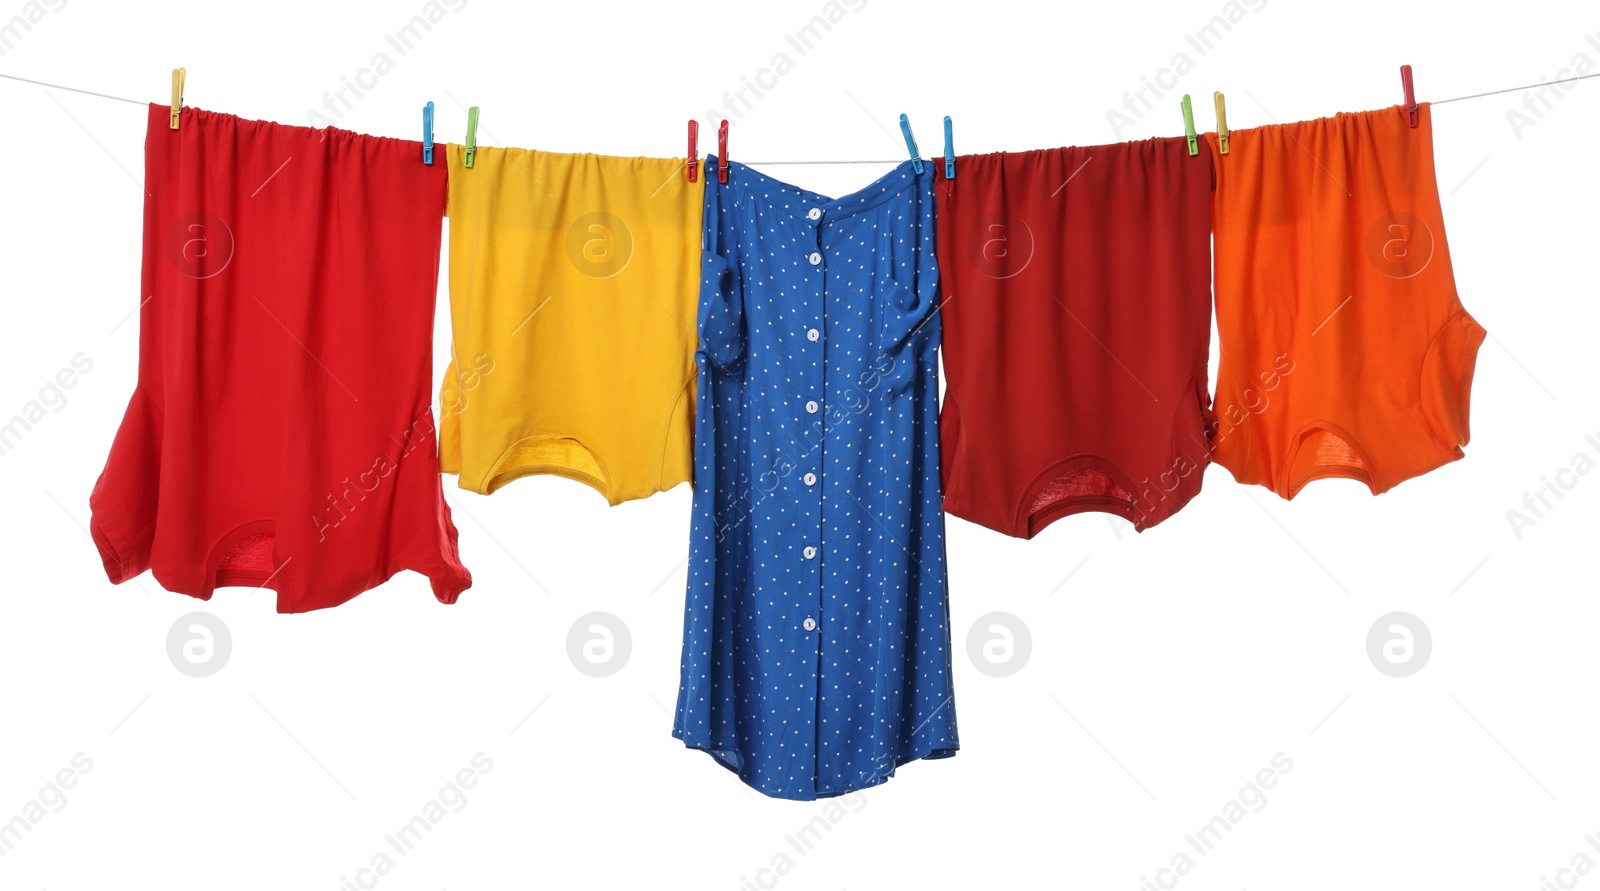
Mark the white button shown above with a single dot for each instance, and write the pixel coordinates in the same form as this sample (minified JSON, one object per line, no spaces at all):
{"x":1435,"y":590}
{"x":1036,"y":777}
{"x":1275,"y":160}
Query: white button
{"x":809,"y":624}
{"x":814,"y":214}
{"x":813,"y":335}
{"x":809,"y":552}
{"x":811,"y":407}
{"x":811,"y":479}
{"x":816,"y":259}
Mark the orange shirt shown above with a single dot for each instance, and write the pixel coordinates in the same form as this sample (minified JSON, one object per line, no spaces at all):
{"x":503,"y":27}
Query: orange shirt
{"x":1345,"y":350}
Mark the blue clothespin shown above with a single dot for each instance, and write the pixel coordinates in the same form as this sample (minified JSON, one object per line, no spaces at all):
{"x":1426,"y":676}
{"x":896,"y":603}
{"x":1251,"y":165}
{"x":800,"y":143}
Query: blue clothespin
{"x":949,"y":151}
{"x":427,"y":133}
{"x":911,"y":145}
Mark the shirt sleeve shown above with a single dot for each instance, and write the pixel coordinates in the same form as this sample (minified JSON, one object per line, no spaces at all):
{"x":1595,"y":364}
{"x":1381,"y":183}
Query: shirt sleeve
{"x":910,"y":299}
{"x":721,"y":317}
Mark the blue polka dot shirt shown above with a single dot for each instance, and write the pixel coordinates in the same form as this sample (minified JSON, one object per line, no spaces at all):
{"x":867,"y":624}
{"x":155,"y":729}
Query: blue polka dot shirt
{"x":816,"y":639}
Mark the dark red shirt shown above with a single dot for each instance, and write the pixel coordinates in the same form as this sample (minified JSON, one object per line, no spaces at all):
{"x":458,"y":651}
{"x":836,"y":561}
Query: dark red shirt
{"x":1077,"y":311}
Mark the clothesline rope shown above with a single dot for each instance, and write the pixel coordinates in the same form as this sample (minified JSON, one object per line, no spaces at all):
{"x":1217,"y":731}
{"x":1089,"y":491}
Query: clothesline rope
{"x":1544,"y":83}
{"x":72,"y":89}
{"x":1539,"y":85}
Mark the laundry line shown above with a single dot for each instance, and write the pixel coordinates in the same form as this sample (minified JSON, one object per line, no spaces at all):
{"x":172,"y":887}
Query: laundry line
{"x":1539,"y":85}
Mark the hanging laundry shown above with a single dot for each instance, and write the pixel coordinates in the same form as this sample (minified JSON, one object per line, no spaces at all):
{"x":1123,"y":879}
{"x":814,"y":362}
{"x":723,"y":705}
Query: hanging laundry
{"x":1077,"y":321}
{"x":573,"y":281}
{"x":816,"y":641}
{"x":1345,"y":349}
{"x":280,"y":434}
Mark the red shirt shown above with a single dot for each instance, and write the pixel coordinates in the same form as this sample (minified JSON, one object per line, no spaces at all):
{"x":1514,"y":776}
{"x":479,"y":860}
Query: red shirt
{"x":1077,"y":312}
{"x":281,"y":433}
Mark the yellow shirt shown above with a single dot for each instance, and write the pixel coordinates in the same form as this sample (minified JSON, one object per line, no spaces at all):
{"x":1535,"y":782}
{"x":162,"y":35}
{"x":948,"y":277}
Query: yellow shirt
{"x":574,"y":282}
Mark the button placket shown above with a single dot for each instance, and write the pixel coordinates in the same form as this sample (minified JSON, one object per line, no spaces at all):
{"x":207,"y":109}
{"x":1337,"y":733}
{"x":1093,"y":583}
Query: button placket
{"x":814,"y":335}
{"x":811,"y":493}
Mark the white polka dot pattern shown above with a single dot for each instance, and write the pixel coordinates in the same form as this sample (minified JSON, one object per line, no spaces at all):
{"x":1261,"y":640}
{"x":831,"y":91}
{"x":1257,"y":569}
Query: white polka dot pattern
{"x":816,"y":640}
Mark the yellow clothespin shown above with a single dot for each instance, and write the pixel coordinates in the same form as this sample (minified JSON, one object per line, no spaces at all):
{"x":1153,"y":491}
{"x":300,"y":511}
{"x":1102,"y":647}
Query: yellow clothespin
{"x":1222,"y":125}
{"x":177,"y":95}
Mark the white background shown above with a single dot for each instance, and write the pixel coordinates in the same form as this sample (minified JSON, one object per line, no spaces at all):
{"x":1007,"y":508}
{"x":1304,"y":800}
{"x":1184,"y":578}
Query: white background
{"x":1166,"y":668}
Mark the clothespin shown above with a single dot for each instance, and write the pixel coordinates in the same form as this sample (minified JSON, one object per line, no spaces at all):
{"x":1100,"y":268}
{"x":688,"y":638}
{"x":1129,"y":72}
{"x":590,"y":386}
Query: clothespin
{"x":427,"y":133}
{"x":177,"y":95}
{"x":722,"y":152}
{"x":1412,"y":113}
{"x":1222,"y":125}
{"x":694,"y":157}
{"x":949,"y":151}
{"x":472,"y":135}
{"x":1188,"y":126}
{"x":911,"y":144}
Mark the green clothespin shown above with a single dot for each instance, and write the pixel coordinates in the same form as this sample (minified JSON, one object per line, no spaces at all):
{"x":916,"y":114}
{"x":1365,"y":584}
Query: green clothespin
{"x":1188,"y":126}
{"x":472,"y":134}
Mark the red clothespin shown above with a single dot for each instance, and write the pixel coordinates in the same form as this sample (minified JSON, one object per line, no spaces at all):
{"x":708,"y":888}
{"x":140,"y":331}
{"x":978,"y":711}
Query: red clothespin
{"x":694,"y":159}
{"x":722,"y":152}
{"x":1413,"y":115}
